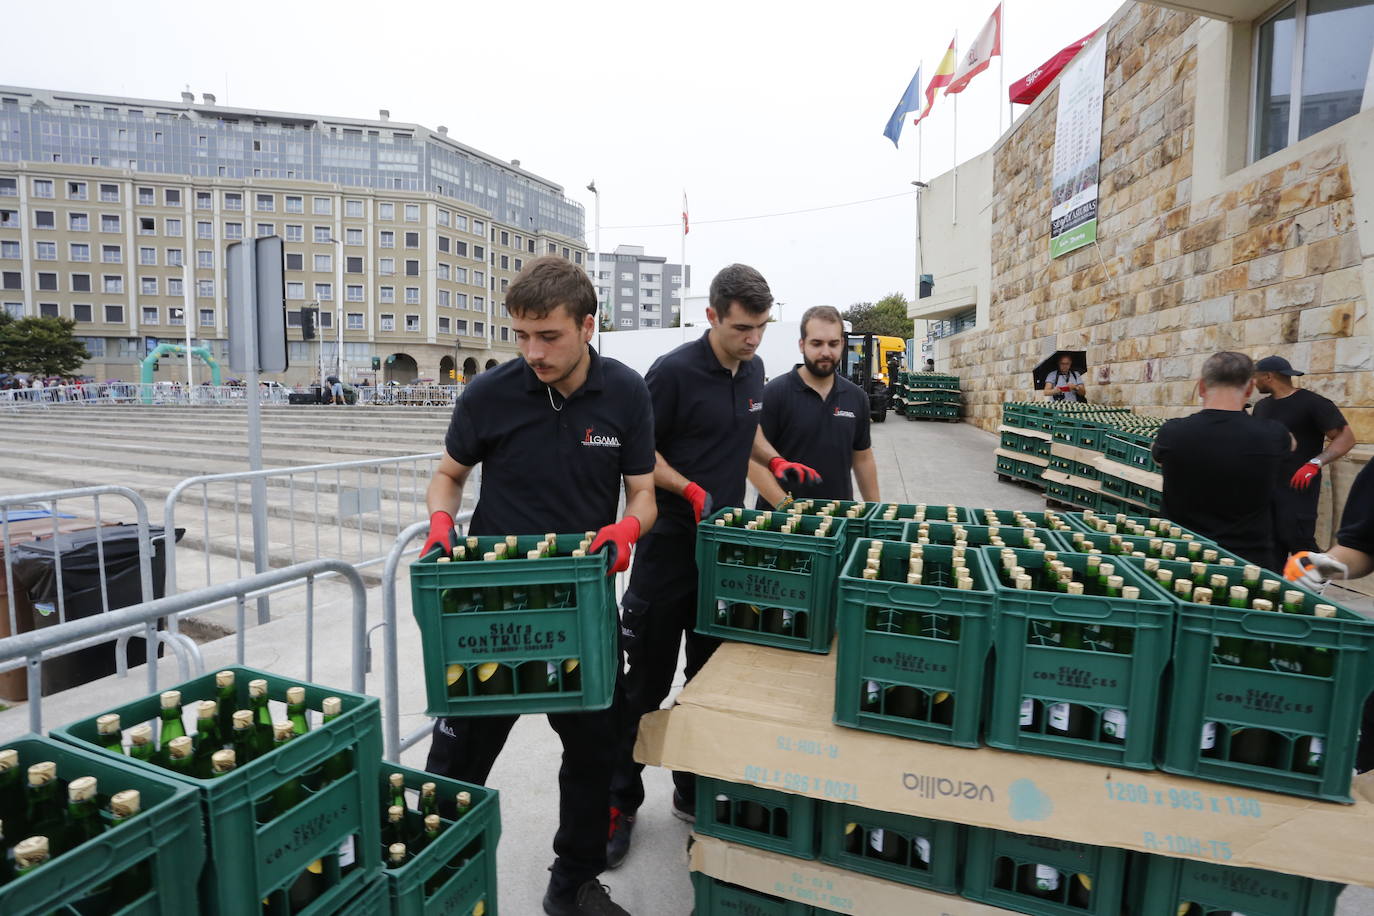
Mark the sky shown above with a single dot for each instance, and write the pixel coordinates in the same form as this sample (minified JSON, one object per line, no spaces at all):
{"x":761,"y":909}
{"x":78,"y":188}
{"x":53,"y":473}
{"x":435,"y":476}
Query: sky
{"x":750,"y":108}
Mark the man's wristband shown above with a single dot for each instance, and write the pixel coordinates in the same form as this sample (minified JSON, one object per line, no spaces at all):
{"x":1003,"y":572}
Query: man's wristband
{"x":786,"y":501}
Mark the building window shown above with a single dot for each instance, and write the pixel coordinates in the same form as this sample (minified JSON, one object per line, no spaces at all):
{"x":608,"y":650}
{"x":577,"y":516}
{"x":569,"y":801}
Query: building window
{"x":353,"y":265}
{"x":9,"y":219}
{"x":444,"y":297}
{"x":176,"y":317}
{"x":265,"y":202}
{"x":460,"y":274}
{"x":322,"y":236}
{"x":324,"y":291}
{"x":353,"y":292}
{"x":172,"y":227}
{"x":386,"y":322}
{"x":111,"y":254}
{"x":173,"y":257}
{"x":295,"y":290}
{"x":11,"y":279}
{"x":205,"y":289}
{"x":412,"y":268}
{"x":147,"y":257}
{"x":9,"y":187}
{"x":1312,"y":61}
{"x":412,"y":295}
{"x":387,"y":294}
{"x":109,"y":222}
{"x":479,"y":278}
{"x":413,"y":323}
{"x":324,"y":262}
{"x":45,"y":251}
{"x":109,"y":193}
{"x":48,"y":310}
{"x":14,"y":309}
{"x":205,"y":259}
{"x":443,"y":243}
{"x":295,"y":204}
{"x":266,"y":229}
{"x":81,"y":283}
{"x":47,"y":281}
{"x":355,"y":321}
{"x":353,"y":209}
{"x":146,"y":196}
{"x":43,"y":187}
{"x":505,"y":262}
{"x":386,"y":266}
{"x":174,"y":287}
{"x":295,"y":261}
{"x":171,"y":197}
{"x":233,"y":230}
{"x":82,"y":312}
{"x":76,"y":190}
{"x":412,"y":240}
{"x":326,"y":318}
{"x":460,"y":326}
{"x":80,"y":251}
{"x":353,"y":236}
{"x":443,"y":324}
{"x":505,"y":333}
{"x":412,"y":213}
{"x":9,"y":249}
{"x":114,"y":314}
{"x":147,"y":286}
{"x":386,"y":239}
{"x":460,"y":300}
{"x":442,"y":271}
{"x":205,"y":229}
{"x":460,"y":222}
{"x":479,"y":227}
{"x":479,"y":329}
{"x":204,"y":201}
{"x":479,"y":253}
{"x":386,"y":211}
{"x":207,"y":318}
{"x":442,"y":217}
{"x":322,"y":206}
{"x":295,"y":233}
{"x":44,"y":219}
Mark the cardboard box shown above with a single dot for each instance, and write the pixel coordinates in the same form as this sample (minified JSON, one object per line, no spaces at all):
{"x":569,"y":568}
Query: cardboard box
{"x":763,"y":716}
{"x":826,"y":887}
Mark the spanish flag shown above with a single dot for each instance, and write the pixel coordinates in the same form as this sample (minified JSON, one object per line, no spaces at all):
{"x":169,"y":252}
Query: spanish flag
{"x":943,"y":74}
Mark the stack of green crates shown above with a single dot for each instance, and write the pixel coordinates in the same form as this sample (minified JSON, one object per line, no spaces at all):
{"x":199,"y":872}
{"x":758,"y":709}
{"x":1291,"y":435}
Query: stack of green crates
{"x":928,"y":396}
{"x":713,"y":896}
{"x":1039,"y":875}
{"x":156,"y":856}
{"x":767,"y":587}
{"x":1165,"y":886}
{"x":887,"y":521}
{"x":523,"y":658}
{"x":254,"y":853}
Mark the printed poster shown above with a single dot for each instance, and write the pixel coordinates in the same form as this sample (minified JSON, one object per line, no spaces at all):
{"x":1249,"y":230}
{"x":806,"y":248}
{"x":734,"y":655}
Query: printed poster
{"x":1078,"y":151}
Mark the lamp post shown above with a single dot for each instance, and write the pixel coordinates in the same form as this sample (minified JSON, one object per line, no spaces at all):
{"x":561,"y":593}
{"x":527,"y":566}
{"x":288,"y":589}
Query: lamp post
{"x":339,"y":314}
{"x":596,"y":257}
{"x":920,"y":186}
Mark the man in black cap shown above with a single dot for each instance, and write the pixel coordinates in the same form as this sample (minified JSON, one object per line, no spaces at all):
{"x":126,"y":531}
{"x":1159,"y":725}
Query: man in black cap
{"x":820,"y":418}
{"x":1322,"y":436}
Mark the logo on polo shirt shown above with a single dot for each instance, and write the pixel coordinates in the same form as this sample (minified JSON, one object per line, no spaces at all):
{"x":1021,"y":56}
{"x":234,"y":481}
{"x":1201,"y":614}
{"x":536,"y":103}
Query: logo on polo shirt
{"x":844,"y":413}
{"x":591,"y":438}
{"x":755,"y":406}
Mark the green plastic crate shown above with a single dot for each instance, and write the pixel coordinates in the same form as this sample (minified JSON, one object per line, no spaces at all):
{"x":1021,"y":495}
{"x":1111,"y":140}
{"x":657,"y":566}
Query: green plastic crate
{"x":912,"y":669}
{"x":1162,"y":886}
{"x":1194,"y":550}
{"x":1072,"y":496}
{"x":758,"y":817}
{"x":1108,"y":690}
{"x":372,"y":900}
{"x":919,"y":851}
{"x":1075,"y":468}
{"x":1020,"y":470}
{"x":855,"y":527}
{"x":717,"y":898}
{"x":166,"y":841}
{"x":757,"y":603}
{"x":527,"y":643}
{"x":249,"y":857}
{"x":1000,"y":869}
{"x":979,"y":535}
{"x":1005,"y":517}
{"x":1130,"y":448}
{"x":457,"y":871}
{"x":1081,"y":522}
{"x":892,"y":529}
{"x":1282,"y":709}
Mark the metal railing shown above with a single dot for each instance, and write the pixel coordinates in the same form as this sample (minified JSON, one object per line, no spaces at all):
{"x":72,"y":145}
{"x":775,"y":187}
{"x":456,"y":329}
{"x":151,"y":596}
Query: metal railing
{"x":30,"y":649}
{"x":392,"y":741}
{"x":348,"y":510}
{"x":94,"y":394}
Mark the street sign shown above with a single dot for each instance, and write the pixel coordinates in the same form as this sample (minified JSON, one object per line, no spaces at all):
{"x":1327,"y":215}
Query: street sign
{"x":256,"y":294}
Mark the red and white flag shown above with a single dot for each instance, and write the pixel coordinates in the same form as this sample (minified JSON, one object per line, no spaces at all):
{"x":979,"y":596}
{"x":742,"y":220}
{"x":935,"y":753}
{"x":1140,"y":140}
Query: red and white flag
{"x":684,"y":213}
{"x":985,"y":47}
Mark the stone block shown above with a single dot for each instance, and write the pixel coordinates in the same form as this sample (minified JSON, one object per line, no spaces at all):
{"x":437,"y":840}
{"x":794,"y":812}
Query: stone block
{"x":1342,"y":216}
{"x":1293,"y":294}
{"x":1296,"y":197}
{"x":1248,"y":305}
{"x":1266,"y":270}
{"x":1294,"y":263}
{"x":1213,"y":311}
{"x":1320,"y":357}
{"x":1314,"y":225}
{"x":1203,"y":235}
{"x":1349,"y":244}
{"x":1323,"y":256}
{"x":1361,"y":420}
{"x":1261,"y":331}
{"x":1177,"y":368}
{"x":1261,"y":240}
{"x":1334,"y":184}
{"x":1355,"y":354}
{"x":1263,"y":209}
{"x":1288,"y":327}
{"x":1342,"y":284}
{"x":1327,"y":321}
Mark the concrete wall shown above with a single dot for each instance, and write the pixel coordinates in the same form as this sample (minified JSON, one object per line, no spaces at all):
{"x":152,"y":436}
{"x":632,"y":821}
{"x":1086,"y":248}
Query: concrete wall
{"x":956,"y":235}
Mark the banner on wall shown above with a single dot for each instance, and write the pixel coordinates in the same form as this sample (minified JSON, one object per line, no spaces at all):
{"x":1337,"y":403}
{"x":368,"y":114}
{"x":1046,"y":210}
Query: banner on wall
{"x":1077,"y":151}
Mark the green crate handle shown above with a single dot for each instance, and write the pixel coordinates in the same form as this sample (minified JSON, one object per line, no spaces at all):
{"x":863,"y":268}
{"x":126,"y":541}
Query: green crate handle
{"x":1081,"y":606}
{"x":1268,"y":623}
{"x":923,"y":598}
{"x":300,"y":756}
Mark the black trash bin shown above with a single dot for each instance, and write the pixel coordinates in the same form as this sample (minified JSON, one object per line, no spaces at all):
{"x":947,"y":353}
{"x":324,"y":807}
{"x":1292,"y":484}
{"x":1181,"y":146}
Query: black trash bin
{"x":35,"y":571}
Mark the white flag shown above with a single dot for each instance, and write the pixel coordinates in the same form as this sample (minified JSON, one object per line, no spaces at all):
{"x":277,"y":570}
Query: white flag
{"x":985,"y":47}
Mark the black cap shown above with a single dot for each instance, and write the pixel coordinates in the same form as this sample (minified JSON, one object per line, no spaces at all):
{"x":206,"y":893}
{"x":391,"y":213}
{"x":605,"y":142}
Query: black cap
{"x":1277,"y":365}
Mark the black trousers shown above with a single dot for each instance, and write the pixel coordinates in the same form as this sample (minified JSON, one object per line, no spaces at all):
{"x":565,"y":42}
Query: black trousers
{"x":1364,"y":753}
{"x":466,"y":748}
{"x":659,"y":610}
{"x":1295,"y":517}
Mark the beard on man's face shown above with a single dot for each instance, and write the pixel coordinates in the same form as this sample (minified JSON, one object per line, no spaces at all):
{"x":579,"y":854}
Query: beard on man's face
{"x":819,"y":369}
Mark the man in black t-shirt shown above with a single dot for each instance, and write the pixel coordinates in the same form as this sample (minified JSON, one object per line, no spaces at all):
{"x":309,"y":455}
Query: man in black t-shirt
{"x":556,"y":433}
{"x":1322,"y":436}
{"x":1220,"y":464}
{"x":820,"y":418}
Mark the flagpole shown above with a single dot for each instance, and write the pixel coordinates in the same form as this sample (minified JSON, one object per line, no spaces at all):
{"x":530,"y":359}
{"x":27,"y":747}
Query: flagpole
{"x":1001,"y":64}
{"x":954,"y":194}
{"x":682,"y":297}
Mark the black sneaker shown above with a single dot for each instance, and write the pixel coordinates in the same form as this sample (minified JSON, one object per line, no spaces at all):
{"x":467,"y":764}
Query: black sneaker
{"x":618,"y":841}
{"x":591,"y":899}
{"x":683,"y":810}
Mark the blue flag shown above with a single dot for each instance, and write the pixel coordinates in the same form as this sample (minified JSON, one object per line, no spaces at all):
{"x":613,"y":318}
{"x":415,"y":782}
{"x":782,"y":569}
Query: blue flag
{"x":911,"y":101}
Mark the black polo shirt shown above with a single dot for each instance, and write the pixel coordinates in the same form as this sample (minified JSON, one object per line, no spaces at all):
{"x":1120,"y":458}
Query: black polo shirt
{"x":821,"y":434}
{"x":704,"y":424}
{"x":550,"y":464}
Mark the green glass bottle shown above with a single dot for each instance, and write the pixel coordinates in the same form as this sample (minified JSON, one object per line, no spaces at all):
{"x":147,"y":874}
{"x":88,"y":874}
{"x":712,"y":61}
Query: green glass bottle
{"x":141,"y":743}
{"x":538,"y":676}
{"x":396,"y":790}
{"x":181,"y":756}
{"x":396,"y":855}
{"x":43,"y":811}
{"x":287,"y":795}
{"x":494,"y":679}
{"x":455,"y":677}
{"x":494,"y":597}
{"x":227,"y":699}
{"x":172,"y":726}
{"x":336,"y":767}
{"x":208,"y":739}
{"x":295,"y":711}
{"x":262,"y":716}
{"x":1293,"y":602}
{"x":394,"y":830}
{"x":29,"y":854}
{"x":244,"y":735}
{"x":1238,"y":596}
{"x":11,"y":793}
{"x":83,"y":814}
{"x":222,"y":762}
{"x":429,"y":799}
{"x":463,"y":804}
{"x":1319,"y":660}
{"x":572,"y":674}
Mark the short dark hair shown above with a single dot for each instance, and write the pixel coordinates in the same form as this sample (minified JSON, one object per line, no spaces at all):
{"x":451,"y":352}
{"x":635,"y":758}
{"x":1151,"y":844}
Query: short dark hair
{"x":743,"y":284}
{"x":821,"y":313}
{"x":548,"y":282}
{"x":1228,"y":369}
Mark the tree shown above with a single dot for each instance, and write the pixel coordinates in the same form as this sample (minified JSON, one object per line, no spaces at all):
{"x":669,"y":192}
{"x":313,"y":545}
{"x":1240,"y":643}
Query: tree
{"x":41,"y":346}
{"x":887,"y":316}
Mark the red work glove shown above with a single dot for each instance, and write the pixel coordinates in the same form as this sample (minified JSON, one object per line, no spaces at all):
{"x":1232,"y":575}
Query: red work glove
{"x":440,"y":534}
{"x":789,"y":472}
{"x":700,"y":500}
{"x":619,"y":537}
{"x":1303,"y":475}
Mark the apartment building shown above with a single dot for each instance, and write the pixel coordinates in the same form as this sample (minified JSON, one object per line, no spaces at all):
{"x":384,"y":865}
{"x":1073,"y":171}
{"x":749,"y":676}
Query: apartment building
{"x":116,"y":213}
{"x":636,"y":290}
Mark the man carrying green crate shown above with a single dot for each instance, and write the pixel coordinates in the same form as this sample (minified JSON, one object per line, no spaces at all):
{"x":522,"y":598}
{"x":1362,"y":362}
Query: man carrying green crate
{"x":708,"y":400}
{"x":556,"y":432}
{"x":819,"y":417}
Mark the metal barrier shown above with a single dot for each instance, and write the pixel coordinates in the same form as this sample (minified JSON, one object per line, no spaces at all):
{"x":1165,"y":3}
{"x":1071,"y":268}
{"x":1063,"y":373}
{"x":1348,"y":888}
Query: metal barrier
{"x":30,"y":649}
{"x":348,"y":510}
{"x":48,"y":502}
{"x":176,"y":393}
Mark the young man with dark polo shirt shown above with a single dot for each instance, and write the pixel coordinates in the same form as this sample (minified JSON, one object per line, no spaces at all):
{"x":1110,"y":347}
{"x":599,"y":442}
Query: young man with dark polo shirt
{"x":819,"y":417}
{"x":708,"y":399}
{"x":556,"y":432}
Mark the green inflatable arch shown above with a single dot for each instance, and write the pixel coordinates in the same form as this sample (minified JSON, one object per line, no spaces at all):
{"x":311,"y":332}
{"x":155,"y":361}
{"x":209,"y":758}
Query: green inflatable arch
{"x":149,"y":363}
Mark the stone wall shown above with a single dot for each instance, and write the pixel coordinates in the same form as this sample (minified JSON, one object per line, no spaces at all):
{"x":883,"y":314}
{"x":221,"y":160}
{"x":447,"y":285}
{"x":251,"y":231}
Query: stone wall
{"x":1273,"y":266}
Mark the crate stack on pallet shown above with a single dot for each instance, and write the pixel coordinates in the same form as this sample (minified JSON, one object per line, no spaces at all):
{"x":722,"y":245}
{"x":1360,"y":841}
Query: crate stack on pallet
{"x":240,"y":793}
{"x":928,"y":396}
{"x":1083,"y":456}
{"x":1050,"y":665}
